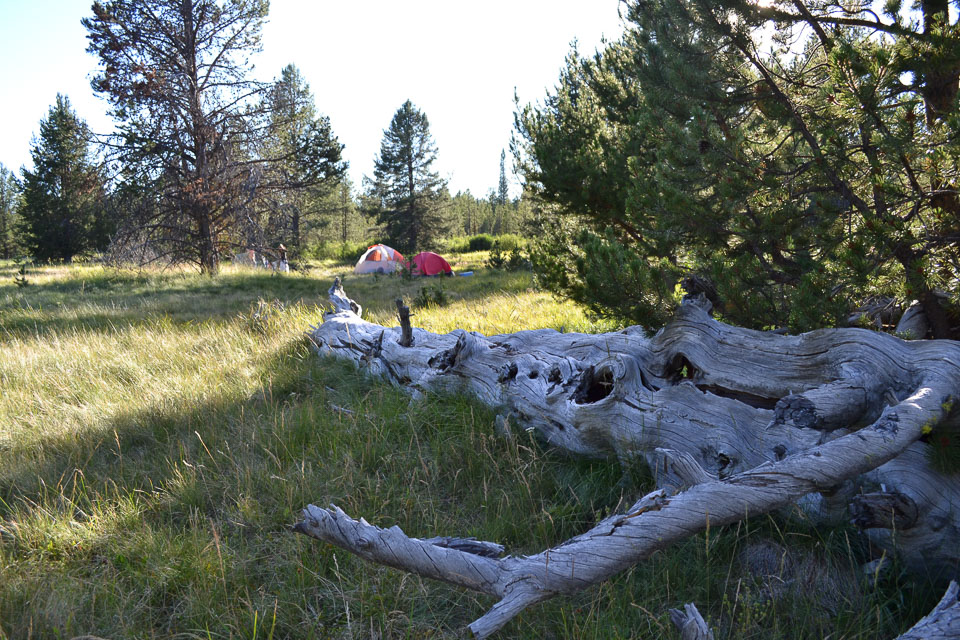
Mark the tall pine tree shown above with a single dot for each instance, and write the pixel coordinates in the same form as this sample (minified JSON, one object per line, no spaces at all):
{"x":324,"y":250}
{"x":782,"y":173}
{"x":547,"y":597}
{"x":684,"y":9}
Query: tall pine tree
{"x":304,"y":165}
{"x":9,"y":198}
{"x":344,"y":212}
{"x":788,"y":178}
{"x":63,"y":194}
{"x":405,"y":195}
{"x":503,"y":189}
{"x":176,"y":73}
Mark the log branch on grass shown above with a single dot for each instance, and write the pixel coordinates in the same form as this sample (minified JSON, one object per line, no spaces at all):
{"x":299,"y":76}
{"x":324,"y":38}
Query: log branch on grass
{"x":656,"y":521}
{"x":734,"y":422}
{"x":943,"y":623}
{"x":690,"y":623}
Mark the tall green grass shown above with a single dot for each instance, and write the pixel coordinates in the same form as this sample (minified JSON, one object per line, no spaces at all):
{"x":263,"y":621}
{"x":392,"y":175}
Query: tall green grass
{"x":159,"y":432}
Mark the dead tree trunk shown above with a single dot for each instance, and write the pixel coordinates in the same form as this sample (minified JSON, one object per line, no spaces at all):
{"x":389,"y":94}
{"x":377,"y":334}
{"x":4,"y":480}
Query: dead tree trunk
{"x":734,"y":422}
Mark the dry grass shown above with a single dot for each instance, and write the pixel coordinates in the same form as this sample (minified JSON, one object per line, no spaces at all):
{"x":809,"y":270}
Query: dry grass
{"x":160,"y":431}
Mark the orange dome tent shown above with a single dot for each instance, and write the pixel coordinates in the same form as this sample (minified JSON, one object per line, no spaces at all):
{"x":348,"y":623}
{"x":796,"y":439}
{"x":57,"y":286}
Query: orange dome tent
{"x":379,"y":258}
{"x":427,"y":263}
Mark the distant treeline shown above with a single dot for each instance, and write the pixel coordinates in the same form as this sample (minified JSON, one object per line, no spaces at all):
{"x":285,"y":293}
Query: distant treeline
{"x":206,"y":161}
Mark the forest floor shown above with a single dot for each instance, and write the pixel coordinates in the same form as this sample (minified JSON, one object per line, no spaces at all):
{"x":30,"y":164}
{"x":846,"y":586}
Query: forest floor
{"x":160,"y":431}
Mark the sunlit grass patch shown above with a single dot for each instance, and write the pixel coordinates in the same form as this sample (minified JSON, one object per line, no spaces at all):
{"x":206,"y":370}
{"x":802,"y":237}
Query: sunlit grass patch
{"x":160,"y":431}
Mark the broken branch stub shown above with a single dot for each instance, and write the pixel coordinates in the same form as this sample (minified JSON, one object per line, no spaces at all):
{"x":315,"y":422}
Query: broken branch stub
{"x":738,"y":422}
{"x":403,"y":316}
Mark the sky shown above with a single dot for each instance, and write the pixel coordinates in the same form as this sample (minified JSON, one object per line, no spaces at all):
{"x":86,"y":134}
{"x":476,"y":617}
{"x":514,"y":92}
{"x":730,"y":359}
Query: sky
{"x":459,"y":62}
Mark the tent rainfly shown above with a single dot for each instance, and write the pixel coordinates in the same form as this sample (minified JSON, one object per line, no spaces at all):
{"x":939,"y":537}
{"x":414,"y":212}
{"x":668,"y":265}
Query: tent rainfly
{"x":427,"y":263}
{"x":379,"y":258}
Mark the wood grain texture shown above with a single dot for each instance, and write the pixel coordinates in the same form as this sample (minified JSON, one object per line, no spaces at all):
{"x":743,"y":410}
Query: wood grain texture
{"x":734,"y":422}
{"x":943,"y":623}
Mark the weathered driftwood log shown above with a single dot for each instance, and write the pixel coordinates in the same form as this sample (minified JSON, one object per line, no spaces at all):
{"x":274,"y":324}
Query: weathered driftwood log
{"x":690,"y":623}
{"x":913,"y":323}
{"x":943,"y":623}
{"x":734,"y":422}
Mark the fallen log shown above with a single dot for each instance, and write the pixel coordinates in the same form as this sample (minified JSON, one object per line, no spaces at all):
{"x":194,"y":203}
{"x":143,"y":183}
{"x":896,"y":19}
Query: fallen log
{"x":734,"y":422}
{"x":943,"y":623}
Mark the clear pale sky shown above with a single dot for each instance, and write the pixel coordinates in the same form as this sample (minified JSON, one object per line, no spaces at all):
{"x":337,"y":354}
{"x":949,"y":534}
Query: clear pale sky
{"x":458,"y":61}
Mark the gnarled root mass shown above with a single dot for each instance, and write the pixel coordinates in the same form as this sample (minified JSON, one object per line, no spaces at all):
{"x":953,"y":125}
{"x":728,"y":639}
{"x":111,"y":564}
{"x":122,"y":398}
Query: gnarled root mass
{"x":734,"y":422}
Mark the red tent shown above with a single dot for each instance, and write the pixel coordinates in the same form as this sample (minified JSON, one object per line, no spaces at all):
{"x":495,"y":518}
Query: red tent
{"x":428,"y":263}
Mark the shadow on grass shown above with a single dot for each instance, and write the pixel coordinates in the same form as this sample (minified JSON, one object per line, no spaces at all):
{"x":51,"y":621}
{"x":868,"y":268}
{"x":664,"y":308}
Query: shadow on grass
{"x":173,"y":520}
{"x":176,"y":517}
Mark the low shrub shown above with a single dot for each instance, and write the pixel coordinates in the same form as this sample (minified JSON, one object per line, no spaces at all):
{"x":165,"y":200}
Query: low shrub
{"x":21,"y":278}
{"x":351,"y":251}
{"x":514,"y":260}
{"x":430,"y":296}
{"x":346,"y":252}
{"x":457,"y":244}
{"x":482,"y":242}
{"x":510,"y":241}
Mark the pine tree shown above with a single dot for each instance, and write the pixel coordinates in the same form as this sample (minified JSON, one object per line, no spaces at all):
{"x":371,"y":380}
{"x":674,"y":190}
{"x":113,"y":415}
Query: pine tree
{"x":503,"y":188}
{"x":500,"y":201}
{"x":346,"y":211}
{"x":176,"y":73}
{"x":63,"y":194}
{"x":338,"y":219}
{"x":406,"y":197}
{"x":304,"y":162}
{"x":9,"y":203}
{"x":467,"y":212}
{"x":788,"y":185}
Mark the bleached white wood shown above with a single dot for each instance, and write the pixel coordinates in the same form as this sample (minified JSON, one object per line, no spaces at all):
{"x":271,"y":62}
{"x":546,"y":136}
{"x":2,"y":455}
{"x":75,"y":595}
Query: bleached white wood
{"x":943,"y":623}
{"x":690,"y":623}
{"x":654,"y":522}
{"x":738,"y":421}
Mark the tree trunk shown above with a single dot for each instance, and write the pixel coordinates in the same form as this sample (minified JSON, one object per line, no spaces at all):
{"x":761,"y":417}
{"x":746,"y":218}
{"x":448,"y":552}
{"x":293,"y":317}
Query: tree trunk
{"x":406,"y":330}
{"x":209,"y":260}
{"x":295,"y":228}
{"x":4,"y":233}
{"x":733,"y":422}
{"x":941,"y":83}
{"x":344,"y":220}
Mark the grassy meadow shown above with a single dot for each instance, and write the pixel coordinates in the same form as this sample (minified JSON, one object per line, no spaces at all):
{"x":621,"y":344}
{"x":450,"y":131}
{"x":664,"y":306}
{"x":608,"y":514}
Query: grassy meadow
{"x":159,"y":432}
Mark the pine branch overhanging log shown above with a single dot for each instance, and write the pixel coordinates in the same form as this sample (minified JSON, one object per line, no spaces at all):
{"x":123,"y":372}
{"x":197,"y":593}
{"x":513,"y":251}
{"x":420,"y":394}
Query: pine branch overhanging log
{"x":734,"y":422}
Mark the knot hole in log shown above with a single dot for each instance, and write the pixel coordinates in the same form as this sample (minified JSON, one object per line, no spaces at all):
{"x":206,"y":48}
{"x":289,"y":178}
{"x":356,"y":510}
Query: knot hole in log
{"x":595,"y":385}
{"x":446,"y":360}
{"x":884,"y":510}
{"x":680,"y":368}
{"x":508,"y":373}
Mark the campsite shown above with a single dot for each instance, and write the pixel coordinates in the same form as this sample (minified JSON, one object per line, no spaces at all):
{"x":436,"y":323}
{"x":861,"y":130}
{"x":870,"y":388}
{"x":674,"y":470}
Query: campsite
{"x":151,"y":492}
{"x":614,"y":320}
